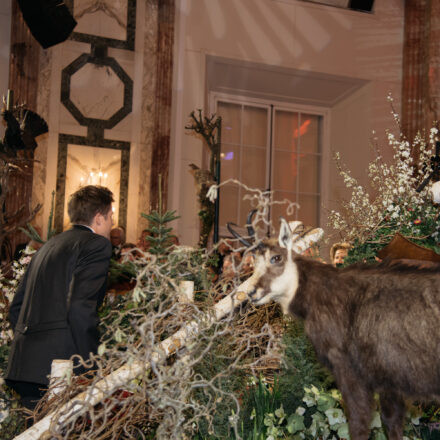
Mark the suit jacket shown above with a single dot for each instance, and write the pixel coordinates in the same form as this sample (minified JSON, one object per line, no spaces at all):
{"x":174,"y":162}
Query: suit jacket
{"x":54,"y":311}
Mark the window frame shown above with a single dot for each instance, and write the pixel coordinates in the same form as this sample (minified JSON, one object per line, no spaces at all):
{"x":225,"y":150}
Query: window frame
{"x":324,"y":169}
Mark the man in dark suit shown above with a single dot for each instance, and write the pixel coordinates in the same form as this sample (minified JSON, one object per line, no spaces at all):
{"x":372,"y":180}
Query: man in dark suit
{"x":54,"y":310}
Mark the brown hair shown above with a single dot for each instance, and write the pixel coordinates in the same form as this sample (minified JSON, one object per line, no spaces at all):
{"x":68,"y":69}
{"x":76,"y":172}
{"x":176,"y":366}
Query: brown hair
{"x":88,"y":201}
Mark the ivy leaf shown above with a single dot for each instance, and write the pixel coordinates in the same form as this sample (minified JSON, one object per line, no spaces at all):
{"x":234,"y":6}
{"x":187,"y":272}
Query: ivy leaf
{"x":376,"y":422}
{"x":280,"y":414}
{"x":335,"y":415}
{"x":269,"y":419}
{"x":343,"y":431}
{"x":380,"y":435}
{"x":295,"y":423}
{"x":325,"y":402}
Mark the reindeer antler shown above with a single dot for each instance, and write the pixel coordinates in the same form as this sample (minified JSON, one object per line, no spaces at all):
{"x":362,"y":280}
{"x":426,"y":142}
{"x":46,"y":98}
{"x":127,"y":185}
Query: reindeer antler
{"x":250,"y":229}
{"x":237,"y":235}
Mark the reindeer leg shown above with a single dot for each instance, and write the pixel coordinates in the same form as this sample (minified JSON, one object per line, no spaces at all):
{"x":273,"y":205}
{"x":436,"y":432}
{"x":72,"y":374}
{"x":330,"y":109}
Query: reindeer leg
{"x":358,"y":402}
{"x":392,"y":411}
{"x":358,"y":399}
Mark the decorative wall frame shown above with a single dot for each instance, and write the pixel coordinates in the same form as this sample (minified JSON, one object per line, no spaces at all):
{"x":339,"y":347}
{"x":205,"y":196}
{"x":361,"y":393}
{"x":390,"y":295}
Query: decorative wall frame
{"x":63,"y":141}
{"x":98,"y":56}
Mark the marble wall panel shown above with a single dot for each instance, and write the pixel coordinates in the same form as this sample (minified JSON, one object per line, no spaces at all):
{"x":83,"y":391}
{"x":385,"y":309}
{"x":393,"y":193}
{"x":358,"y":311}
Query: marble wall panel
{"x":39,"y":193}
{"x":97,"y":91}
{"x":103,"y":18}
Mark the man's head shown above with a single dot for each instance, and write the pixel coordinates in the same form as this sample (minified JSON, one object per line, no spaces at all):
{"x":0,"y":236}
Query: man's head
{"x":117,"y":236}
{"x":92,"y":206}
{"x":338,"y":252}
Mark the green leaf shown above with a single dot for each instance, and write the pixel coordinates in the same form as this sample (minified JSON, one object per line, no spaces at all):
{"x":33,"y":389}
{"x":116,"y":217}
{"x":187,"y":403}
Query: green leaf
{"x":379,"y":435}
{"x":295,"y":423}
{"x":343,"y":431}
{"x":376,"y":422}
{"x":280,"y":412}
{"x":32,"y":233}
{"x":335,"y":415}
{"x":309,"y":400}
{"x":269,"y":419}
{"x":325,"y":402}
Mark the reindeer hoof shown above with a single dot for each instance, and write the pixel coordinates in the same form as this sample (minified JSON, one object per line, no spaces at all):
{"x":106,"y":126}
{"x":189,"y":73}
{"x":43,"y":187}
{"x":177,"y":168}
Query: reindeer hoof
{"x":241,"y":296}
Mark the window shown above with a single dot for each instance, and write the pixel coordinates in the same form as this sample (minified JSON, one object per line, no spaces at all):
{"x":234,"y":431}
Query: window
{"x":269,"y":146}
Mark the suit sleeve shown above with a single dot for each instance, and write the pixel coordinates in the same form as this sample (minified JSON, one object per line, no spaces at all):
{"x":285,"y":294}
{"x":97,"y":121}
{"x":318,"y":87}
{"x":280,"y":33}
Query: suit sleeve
{"x":17,"y":301}
{"x":86,"y":291}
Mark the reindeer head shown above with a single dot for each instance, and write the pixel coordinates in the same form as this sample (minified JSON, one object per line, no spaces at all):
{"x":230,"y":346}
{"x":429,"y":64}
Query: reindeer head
{"x":275,"y":274}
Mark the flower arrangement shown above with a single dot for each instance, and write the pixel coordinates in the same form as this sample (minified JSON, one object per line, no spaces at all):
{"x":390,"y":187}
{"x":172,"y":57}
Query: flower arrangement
{"x":397,"y":202}
{"x":10,"y":421}
{"x":7,"y":289}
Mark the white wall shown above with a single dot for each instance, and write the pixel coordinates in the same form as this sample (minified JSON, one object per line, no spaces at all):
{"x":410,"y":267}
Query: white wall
{"x":5,"y":41}
{"x":290,"y":34}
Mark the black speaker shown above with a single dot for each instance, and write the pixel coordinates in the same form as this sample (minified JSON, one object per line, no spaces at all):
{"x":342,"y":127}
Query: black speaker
{"x":49,"y":21}
{"x":362,"y":5}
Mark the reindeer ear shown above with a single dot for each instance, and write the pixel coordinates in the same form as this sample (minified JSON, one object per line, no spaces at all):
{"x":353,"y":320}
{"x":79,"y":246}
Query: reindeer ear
{"x":285,"y":237}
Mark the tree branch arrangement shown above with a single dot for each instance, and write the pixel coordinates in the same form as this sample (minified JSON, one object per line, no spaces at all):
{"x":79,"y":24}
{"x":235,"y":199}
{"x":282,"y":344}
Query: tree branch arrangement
{"x":16,"y":159}
{"x":167,"y":369}
{"x":209,"y":129}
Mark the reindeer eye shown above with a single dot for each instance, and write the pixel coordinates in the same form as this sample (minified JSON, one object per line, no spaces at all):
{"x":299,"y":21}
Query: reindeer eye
{"x":276,"y":259}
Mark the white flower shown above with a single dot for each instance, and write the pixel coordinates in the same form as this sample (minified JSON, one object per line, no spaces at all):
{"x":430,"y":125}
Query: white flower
{"x":4,"y":414}
{"x":300,"y":410}
{"x":212,"y":193}
{"x":435,"y":192}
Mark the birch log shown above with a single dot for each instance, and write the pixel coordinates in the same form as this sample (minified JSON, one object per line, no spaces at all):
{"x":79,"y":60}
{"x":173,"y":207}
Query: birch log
{"x":118,"y":378}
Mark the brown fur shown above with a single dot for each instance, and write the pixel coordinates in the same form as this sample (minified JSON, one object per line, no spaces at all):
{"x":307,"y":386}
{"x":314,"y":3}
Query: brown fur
{"x":377,"y":328}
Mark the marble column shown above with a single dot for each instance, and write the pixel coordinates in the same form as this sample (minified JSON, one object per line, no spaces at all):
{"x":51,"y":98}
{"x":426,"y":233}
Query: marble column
{"x":162,"y":118}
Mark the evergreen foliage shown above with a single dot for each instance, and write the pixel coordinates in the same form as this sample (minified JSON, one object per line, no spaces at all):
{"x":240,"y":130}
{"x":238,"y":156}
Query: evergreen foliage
{"x":160,"y":237}
{"x":32,"y":233}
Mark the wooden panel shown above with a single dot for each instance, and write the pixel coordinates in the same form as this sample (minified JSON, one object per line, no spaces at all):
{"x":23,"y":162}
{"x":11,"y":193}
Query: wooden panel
{"x":421,"y":56}
{"x":23,"y":80}
{"x":24,"y":60}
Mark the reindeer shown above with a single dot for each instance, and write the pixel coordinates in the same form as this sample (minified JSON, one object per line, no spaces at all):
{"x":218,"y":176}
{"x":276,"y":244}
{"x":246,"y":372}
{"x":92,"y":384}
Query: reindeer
{"x":376,"y":327}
